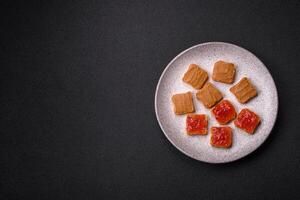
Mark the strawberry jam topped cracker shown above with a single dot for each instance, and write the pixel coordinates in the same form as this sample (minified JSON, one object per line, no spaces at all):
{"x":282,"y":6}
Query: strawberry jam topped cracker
{"x":224,"y":112}
{"x":196,"y":124}
{"x":247,"y":120}
{"x":221,"y":137}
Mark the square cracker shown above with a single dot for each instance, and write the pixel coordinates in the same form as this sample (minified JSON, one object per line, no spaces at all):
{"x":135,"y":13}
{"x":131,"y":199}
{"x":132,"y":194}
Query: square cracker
{"x":223,"y":72}
{"x":196,"y":124}
{"x":244,"y":90}
{"x":221,"y":137}
{"x":247,"y":120}
{"x":183,"y":103}
{"x":209,"y":95}
{"x":224,"y":112}
{"x":195,"y":76}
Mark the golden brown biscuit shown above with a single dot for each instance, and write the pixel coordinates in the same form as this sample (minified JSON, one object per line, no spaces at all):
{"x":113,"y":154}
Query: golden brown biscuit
{"x":195,"y":76}
{"x":244,"y":90}
{"x":183,"y":103}
{"x":209,"y":95}
{"x":223,"y":72}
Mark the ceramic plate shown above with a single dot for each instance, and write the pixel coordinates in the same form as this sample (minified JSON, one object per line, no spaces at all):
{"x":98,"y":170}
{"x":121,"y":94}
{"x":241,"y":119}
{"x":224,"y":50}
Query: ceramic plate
{"x":205,"y":55}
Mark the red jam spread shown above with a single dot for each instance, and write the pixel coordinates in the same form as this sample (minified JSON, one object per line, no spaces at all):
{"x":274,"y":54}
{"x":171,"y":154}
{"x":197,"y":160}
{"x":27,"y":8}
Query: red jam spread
{"x":196,"y":124}
{"x":221,"y":137}
{"x":224,"y":112}
{"x":247,"y":120}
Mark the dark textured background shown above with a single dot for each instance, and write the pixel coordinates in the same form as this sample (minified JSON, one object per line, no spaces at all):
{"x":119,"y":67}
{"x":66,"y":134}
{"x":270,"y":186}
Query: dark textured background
{"x":77,"y":91}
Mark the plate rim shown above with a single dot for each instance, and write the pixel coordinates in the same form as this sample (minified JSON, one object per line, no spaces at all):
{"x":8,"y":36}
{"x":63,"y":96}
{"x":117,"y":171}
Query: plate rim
{"x":159,"y":82}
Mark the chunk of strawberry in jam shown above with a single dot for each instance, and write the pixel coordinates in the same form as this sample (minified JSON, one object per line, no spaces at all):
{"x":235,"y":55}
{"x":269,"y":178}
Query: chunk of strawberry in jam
{"x":247,"y":120}
{"x":196,"y":124}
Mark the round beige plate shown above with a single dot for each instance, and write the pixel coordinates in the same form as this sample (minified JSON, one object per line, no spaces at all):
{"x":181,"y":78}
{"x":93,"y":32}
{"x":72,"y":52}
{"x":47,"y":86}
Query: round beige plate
{"x":205,"y":55}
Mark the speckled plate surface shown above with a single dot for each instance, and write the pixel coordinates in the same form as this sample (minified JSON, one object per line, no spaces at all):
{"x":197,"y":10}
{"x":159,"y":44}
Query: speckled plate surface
{"x":205,"y":55}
